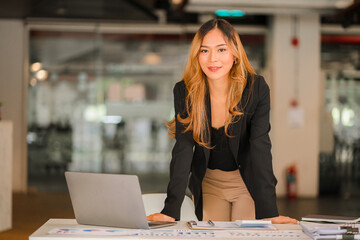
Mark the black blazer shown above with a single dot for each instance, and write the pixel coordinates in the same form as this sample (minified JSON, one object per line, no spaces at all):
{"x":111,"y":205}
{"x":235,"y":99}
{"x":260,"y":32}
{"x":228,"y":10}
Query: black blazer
{"x":250,"y":145}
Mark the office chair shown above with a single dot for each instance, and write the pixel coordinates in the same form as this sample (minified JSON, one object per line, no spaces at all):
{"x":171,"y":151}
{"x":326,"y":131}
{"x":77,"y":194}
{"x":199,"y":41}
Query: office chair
{"x":154,"y":203}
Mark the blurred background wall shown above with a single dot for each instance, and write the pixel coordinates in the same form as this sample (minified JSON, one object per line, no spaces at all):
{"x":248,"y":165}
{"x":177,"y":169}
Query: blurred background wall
{"x":88,"y":86}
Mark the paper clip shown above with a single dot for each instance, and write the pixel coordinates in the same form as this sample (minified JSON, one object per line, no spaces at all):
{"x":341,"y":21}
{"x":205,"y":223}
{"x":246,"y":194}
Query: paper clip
{"x":193,"y":223}
{"x":211,"y":223}
{"x":350,"y":228}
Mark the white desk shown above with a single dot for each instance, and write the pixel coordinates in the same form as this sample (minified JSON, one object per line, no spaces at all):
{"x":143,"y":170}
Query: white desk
{"x":290,"y":231}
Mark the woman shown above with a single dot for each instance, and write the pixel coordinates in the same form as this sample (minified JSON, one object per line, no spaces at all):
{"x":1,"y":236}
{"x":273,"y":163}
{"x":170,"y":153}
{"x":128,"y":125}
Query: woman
{"x":221,"y":127}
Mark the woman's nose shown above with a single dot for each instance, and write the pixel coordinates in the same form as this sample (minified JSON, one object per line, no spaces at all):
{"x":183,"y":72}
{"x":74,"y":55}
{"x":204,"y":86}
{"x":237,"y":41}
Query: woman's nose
{"x":213,"y":56}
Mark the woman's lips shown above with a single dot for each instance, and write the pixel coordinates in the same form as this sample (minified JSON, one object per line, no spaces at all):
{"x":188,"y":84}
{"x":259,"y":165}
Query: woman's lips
{"x":214,"y":69}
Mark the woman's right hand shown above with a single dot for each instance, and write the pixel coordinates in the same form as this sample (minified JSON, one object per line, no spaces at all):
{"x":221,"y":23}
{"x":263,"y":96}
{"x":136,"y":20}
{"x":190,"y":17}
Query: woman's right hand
{"x":160,"y":217}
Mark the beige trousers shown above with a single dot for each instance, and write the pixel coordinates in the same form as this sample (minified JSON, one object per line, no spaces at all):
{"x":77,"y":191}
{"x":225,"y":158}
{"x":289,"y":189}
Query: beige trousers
{"x":225,"y":197}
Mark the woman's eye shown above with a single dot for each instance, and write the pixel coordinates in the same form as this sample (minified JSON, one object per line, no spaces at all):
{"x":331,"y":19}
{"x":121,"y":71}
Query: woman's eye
{"x":203,"y":50}
{"x":222,"y":50}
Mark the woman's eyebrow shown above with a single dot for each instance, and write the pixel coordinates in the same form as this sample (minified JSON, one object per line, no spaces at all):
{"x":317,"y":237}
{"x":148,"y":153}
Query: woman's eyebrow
{"x":223,"y":44}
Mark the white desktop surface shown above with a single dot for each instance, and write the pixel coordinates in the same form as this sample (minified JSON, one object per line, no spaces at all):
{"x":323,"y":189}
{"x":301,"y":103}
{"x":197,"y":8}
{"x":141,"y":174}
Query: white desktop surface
{"x":42,"y":232}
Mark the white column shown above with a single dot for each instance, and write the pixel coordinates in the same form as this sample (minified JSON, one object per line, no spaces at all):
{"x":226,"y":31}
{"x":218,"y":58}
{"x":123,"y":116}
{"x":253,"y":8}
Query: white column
{"x":295,"y":73}
{"x":13,"y":93}
{"x":6,"y":153}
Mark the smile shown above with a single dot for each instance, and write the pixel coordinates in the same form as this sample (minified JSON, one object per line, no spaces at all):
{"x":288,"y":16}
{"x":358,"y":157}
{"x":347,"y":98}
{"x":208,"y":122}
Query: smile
{"x":214,"y":69}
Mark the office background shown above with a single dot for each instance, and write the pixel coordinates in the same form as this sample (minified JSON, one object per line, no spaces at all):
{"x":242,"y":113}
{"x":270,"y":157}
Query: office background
{"x":87,"y":86}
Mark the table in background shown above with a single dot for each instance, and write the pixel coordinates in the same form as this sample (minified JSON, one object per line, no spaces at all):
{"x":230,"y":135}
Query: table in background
{"x":42,"y":232}
{"x":6,"y":162}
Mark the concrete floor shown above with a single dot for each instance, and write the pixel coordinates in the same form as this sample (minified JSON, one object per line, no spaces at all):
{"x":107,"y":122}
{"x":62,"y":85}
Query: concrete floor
{"x":32,"y":210}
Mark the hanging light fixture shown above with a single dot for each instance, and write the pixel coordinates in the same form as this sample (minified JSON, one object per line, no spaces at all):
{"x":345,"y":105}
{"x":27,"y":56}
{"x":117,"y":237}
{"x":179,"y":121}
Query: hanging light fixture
{"x":41,"y":75}
{"x":33,"y":82}
{"x":35,"y":67}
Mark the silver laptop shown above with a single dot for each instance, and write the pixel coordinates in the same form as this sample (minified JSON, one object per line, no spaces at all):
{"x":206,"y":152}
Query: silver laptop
{"x":112,"y":200}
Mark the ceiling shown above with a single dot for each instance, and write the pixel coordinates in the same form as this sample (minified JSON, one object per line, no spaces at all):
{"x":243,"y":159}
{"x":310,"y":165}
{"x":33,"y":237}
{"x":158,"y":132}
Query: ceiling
{"x":177,"y":11}
{"x":81,"y":9}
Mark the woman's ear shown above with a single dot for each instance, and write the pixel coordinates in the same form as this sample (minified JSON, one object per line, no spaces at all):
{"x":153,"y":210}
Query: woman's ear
{"x":234,"y":59}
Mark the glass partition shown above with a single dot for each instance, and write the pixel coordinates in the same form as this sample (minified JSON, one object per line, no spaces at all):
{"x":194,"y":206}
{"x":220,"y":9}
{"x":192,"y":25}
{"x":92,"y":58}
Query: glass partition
{"x":340,"y":119}
{"x":98,"y":103}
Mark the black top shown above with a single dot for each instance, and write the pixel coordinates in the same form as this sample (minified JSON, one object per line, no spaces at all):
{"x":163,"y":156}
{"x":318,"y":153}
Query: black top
{"x":221,"y":156}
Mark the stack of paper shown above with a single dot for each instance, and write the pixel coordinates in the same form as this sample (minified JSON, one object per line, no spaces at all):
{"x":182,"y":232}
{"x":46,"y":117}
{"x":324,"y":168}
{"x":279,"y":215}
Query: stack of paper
{"x":331,"y":231}
{"x":330,"y":219}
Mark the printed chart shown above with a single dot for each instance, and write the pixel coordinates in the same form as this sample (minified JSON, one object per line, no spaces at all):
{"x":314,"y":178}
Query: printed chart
{"x":293,"y":234}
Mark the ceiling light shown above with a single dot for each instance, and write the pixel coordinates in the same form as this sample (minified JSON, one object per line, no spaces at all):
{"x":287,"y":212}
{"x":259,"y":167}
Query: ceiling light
{"x":151,"y":59}
{"x":35,"y":67}
{"x":41,"y":75}
{"x":229,"y":13}
{"x":344,"y":3}
{"x":176,"y":2}
{"x":33,"y":82}
{"x":112,"y":119}
{"x":237,"y":13}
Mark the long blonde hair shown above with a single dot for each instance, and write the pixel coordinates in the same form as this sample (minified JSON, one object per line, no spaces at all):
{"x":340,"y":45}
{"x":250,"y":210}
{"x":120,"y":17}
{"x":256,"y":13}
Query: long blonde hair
{"x":196,"y":119}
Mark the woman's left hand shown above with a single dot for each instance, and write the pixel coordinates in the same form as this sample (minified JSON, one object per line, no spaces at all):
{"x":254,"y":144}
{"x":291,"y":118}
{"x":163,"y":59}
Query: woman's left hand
{"x":282,"y":219}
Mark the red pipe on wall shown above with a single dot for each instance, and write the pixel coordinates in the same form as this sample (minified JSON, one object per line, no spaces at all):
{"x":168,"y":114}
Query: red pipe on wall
{"x":340,"y":39}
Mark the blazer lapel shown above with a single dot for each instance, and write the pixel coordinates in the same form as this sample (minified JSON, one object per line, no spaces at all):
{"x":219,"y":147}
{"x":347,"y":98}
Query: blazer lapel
{"x":235,"y":129}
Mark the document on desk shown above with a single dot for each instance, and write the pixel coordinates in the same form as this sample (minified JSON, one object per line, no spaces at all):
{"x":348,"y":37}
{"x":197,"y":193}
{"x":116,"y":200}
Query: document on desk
{"x":94,"y":231}
{"x":236,"y":225}
{"x":331,"y":231}
{"x":184,"y":233}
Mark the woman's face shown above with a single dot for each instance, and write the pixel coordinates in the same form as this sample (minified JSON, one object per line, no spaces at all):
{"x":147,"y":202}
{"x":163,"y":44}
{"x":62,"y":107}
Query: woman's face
{"x":215,"y":57}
